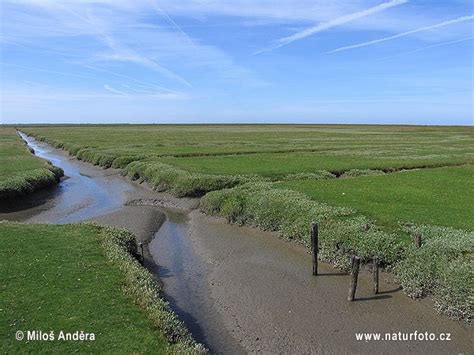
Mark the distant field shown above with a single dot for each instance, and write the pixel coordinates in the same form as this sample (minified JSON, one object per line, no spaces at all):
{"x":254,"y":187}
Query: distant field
{"x":442,"y":196}
{"x":21,"y":171}
{"x":159,"y":140}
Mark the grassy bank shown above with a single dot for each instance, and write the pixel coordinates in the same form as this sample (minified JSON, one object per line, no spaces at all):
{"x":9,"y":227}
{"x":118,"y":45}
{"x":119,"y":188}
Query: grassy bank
{"x":21,"y":172}
{"x":82,"y":278}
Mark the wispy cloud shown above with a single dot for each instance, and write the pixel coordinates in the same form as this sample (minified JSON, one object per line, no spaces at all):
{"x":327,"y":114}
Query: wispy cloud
{"x":115,"y":91}
{"x":421,"y":29}
{"x":332,"y":23}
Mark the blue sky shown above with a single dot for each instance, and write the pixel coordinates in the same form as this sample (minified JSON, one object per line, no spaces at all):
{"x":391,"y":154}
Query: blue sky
{"x":248,"y":61}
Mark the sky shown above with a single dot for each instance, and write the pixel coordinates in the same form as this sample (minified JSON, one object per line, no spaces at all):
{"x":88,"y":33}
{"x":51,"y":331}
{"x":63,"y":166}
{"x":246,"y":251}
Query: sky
{"x":237,"y":61}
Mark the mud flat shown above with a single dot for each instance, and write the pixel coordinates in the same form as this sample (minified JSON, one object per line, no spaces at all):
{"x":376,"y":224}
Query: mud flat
{"x":239,"y":289}
{"x":263,"y":289}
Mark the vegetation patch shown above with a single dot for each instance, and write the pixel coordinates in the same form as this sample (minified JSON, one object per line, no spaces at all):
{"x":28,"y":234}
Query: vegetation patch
{"x":163,"y":177}
{"x":82,"y":278}
{"x":443,"y":268}
{"x":317,"y":175}
{"x":22,"y":172}
{"x":361,"y":172}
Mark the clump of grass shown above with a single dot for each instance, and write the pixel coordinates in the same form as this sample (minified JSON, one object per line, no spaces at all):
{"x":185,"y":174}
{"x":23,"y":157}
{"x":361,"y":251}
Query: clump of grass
{"x":361,"y":172}
{"x":142,"y":288}
{"x":163,"y":177}
{"x":317,"y":175}
{"x":28,"y":181}
{"x":442,"y":268}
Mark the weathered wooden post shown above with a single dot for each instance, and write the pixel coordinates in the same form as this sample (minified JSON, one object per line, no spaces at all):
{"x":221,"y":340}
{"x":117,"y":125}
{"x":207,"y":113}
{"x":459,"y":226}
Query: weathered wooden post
{"x":142,"y":257}
{"x":376,"y":276}
{"x":354,"y":275}
{"x":418,"y":240}
{"x":314,"y":246}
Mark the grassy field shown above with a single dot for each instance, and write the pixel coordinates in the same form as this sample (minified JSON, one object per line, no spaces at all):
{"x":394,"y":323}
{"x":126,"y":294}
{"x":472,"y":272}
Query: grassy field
{"x":441,"y":196}
{"x":277,"y":165}
{"x":76,"y":278}
{"x":178,"y":140}
{"x":282,"y":177}
{"x":21,"y":171}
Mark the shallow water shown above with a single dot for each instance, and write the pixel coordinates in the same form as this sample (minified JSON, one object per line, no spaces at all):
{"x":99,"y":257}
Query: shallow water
{"x":184,"y":275}
{"x":85,"y":191}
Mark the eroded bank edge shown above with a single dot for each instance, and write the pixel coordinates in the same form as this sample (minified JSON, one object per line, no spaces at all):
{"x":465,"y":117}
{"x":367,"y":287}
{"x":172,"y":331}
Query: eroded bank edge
{"x":27,"y":182}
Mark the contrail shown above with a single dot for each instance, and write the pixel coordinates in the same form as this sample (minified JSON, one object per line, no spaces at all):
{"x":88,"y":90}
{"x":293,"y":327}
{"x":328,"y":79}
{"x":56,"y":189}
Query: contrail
{"x":430,"y":46}
{"x":425,"y":28}
{"x":168,"y":17}
{"x":332,"y":23}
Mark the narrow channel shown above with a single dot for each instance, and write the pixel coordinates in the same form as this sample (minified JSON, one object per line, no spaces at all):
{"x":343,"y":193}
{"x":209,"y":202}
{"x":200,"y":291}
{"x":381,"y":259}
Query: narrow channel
{"x":239,"y":289}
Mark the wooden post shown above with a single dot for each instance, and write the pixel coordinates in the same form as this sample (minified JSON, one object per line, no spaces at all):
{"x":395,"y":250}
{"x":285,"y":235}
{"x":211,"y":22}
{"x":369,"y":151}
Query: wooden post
{"x":418,"y":240}
{"x":314,"y":246}
{"x":376,"y":276}
{"x":142,"y":257}
{"x":354,"y":275}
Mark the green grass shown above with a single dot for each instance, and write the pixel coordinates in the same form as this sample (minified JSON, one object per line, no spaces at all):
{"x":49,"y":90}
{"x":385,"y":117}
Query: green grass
{"x":178,"y":140}
{"x":21,"y":171}
{"x":442,"y":196}
{"x":277,"y":165}
{"x":63,"y":278}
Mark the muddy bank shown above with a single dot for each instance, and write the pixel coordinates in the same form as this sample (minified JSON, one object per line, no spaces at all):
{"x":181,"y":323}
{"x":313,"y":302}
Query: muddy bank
{"x":263,"y":289}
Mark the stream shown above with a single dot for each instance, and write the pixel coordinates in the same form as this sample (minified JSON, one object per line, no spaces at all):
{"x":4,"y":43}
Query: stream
{"x":238,"y":289}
